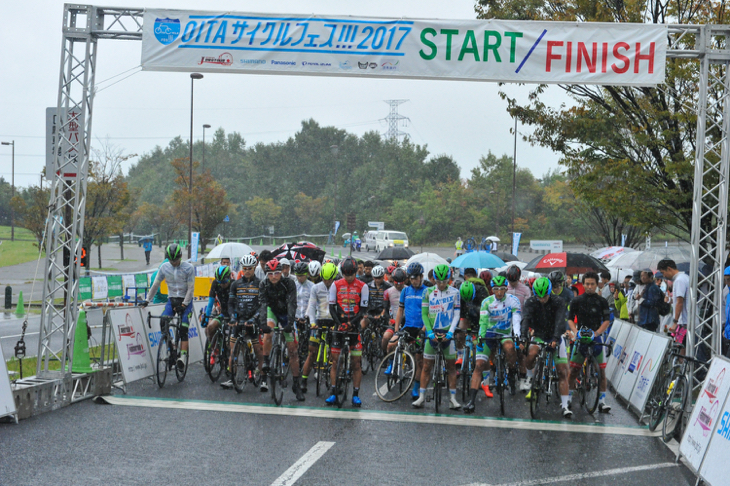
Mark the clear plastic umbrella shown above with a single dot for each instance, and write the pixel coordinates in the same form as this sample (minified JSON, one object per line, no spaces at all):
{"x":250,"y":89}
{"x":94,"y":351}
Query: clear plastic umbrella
{"x":650,"y":258}
{"x":608,"y":253}
{"x":229,"y":250}
{"x":428,"y":260}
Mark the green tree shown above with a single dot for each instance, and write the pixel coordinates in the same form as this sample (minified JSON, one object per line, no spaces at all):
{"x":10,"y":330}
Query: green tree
{"x":31,"y":210}
{"x":263,"y":212}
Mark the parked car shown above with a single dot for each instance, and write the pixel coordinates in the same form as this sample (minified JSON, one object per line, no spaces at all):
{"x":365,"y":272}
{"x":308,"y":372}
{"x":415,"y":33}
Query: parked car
{"x":384,"y":239}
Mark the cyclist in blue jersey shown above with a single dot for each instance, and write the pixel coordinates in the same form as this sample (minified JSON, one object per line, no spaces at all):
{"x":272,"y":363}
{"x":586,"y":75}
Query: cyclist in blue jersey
{"x":411,"y":300}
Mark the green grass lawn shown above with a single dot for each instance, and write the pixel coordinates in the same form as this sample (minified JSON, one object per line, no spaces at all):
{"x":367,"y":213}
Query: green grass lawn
{"x":30,"y":363}
{"x":15,"y":252}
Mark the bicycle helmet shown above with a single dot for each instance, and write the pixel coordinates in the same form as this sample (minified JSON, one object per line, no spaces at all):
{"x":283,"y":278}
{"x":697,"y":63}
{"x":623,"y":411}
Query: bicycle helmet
{"x":284,"y":261}
{"x":467,"y":291}
{"x":514,"y":273}
{"x":542,"y":287}
{"x":329,"y":271}
{"x":441,"y":272}
{"x":314,"y":268}
{"x":391,"y":269}
{"x":415,"y":269}
{"x":349,"y":266}
{"x":301,"y":268}
{"x":273,"y":266}
{"x":499,"y":281}
{"x":557,"y":278}
{"x":222,"y":274}
{"x":173,"y":252}
{"x":485,"y":275}
{"x":378,"y":271}
{"x":248,"y":261}
{"x":399,"y":275}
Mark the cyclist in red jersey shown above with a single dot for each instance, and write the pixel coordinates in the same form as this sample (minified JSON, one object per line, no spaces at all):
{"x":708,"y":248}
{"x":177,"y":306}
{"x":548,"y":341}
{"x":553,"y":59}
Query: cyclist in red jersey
{"x":348,"y":304}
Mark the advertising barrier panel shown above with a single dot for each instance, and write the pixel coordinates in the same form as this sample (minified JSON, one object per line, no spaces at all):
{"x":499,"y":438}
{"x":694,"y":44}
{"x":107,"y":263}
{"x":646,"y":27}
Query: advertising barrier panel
{"x":7,"y":403}
{"x":618,"y":349}
{"x":625,"y":382}
{"x":195,"y":345}
{"x":705,"y":414}
{"x":135,"y":357}
{"x":623,"y":359}
{"x":649,"y":369}
{"x":471,"y":50}
{"x":714,"y":468}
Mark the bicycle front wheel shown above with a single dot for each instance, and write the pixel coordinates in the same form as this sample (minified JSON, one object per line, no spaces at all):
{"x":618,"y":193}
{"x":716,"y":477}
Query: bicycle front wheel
{"x":536,"y":388}
{"x":591,"y":385}
{"x":240,"y":362}
{"x":163,"y":359}
{"x":276,"y":376}
{"x":342,"y":380}
{"x":465,"y":373}
{"x":214,"y":356}
{"x":322,"y":368}
{"x":438,"y":382}
{"x":657,"y":403}
{"x":500,"y":374}
{"x":675,"y":409}
{"x":393,"y":386}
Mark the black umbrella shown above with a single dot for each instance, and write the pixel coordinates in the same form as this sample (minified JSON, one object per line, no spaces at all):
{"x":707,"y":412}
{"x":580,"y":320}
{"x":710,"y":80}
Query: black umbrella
{"x":507,"y":257}
{"x":302,"y":250}
{"x":395,"y":253}
{"x":569,"y":262}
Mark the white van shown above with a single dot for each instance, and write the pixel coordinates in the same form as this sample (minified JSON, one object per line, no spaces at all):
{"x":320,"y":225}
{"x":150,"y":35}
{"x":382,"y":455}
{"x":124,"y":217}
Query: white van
{"x":369,"y":240}
{"x":385,"y":239}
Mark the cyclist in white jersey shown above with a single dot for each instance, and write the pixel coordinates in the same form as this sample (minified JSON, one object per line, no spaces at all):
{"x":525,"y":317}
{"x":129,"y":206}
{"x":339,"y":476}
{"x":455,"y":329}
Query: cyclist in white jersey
{"x":318,"y":311}
{"x":180,"y":278}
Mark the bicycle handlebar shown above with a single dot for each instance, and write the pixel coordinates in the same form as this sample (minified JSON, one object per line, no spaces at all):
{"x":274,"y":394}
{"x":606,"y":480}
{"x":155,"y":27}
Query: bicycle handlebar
{"x":688,"y":358}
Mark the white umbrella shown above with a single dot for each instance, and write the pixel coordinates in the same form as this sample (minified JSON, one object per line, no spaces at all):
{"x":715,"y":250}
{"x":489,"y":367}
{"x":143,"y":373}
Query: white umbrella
{"x":608,"y":253}
{"x":229,"y":250}
{"x":493,"y":238}
{"x":428,"y":260}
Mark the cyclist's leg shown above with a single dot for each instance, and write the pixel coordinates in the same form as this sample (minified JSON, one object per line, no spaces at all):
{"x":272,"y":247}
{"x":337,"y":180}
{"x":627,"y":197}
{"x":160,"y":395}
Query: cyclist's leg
{"x":532,"y":353}
{"x":271,"y":322}
{"x":575,"y":362}
{"x":213,"y":324}
{"x":335,"y":350}
{"x":450,"y":358}
{"x":293,"y":347}
{"x":509,"y":350}
{"x":235,"y":332}
{"x":389,"y":342}
{"x":184,"y":327}
{"x":429,"y":358}
{"x":314,"y":340}
{"x":356,"y":362}
{"x":560,"y":357}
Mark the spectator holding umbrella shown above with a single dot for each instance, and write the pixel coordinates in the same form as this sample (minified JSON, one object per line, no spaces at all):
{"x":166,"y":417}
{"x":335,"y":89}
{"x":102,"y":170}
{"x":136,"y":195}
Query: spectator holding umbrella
{"x":651,"y":297}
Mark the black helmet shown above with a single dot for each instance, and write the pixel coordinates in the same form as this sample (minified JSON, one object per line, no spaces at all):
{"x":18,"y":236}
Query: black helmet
{"x":415,"y":269}
{"x":514,"y":273}
{"x":348,"y":266}
{"x":556,"y":277}
{"x":398,"y":275}
{"x":301,"y":268}
{"x":173,"y":252}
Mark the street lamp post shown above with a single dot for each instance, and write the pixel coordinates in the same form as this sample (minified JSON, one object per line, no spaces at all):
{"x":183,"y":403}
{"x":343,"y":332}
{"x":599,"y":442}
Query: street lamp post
{"x":514,"y":183}
{"x":204,"y":127}
{"x":193,"y":77}
{"x":12,"y":184}
{"x":334,"y":149}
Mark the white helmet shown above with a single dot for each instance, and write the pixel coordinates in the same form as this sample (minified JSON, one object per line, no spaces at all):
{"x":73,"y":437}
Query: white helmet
{"x":378,"y":271}
{"x":284,"y":261}
{"x":314,"y":268}
{"x":248,"y":261}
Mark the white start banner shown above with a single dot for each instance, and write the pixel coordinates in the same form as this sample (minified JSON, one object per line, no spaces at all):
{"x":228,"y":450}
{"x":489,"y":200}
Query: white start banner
{"x":472,"y":50}
{"x":7,"y":402}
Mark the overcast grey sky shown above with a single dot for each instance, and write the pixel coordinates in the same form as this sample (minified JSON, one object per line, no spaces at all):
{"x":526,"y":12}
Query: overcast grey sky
{"x":461,"y":119}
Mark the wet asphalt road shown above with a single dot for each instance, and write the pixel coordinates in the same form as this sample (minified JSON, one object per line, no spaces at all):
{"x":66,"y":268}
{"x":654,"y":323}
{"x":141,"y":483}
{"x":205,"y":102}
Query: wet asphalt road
{"x":92,"y":443}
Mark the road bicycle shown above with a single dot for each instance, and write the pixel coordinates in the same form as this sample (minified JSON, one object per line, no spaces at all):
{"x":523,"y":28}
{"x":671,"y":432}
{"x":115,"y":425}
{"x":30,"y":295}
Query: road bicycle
{"x":322,"y":363}
{"x":278,"y":365}
{"x":504,"y":379}
{"x":168,"y":347}
{"x":468,"y":364}
{"x":372,"y":335}
{"x":656,"y":401}
{"x":303,"y":330}
{"x":589,"y":375}
{"x":344,"y":364}
{"x":217,"y":351}
{"x":391,"y":386}
{"x":545,"y":378}
{"x":438,"y":379}
{"x":245,"y":367}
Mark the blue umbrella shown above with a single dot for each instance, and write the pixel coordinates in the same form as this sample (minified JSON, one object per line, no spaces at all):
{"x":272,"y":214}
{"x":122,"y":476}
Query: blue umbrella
{"x":478,"y":259}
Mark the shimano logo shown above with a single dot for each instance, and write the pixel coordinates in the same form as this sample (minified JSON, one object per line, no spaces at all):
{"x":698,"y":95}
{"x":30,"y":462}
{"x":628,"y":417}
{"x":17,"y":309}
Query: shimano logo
{"x":253,"y":61}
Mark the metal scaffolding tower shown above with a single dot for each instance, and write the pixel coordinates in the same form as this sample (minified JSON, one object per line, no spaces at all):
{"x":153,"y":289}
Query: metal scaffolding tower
{"x":393,"y":119}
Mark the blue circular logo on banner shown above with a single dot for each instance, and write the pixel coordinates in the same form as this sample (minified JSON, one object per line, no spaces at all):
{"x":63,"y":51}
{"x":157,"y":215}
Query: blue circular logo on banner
{"x":167,"y":30}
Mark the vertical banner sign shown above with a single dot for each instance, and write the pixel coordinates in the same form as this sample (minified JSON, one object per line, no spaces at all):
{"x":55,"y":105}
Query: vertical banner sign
{"x":337,"y":226}
{"x":99,"y":288}
{"x":194,"y":247}
{"x":515,"y":242}
{"x":133,"y":349}
{"x":471,"y":50}
{"x":705,"y":413}
{"x":623,"y":240}
{"x":7,"y":403}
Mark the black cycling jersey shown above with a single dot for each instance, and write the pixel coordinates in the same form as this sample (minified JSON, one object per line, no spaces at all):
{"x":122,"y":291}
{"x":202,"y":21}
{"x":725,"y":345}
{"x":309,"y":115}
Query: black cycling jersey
{"x":281,"y":297}
{"x":591,"y":309}
{"x":243,"y":299}
{"x":470,"y":310}
{"x":546,"y":320}
{"x":218,"y":292}
{"x":375,"y":300}
{"x":365,"y":278}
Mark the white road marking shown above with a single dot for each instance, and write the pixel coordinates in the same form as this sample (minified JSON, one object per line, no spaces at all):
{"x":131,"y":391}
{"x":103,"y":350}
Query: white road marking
{"x":291,"y":475}
{"x":402,"y":417}
{"x":582,"y":476}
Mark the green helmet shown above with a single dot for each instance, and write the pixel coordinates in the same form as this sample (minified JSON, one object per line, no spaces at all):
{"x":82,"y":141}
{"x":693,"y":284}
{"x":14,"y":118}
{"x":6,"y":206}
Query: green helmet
{"x":441,"y":272}
{"x":223,"y":273}
{"x":499,"y":281}
{"x":542,"y":287}
{"x":467,"y":291}
{"x":173,"y":252}
{"x":329,"y":271}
